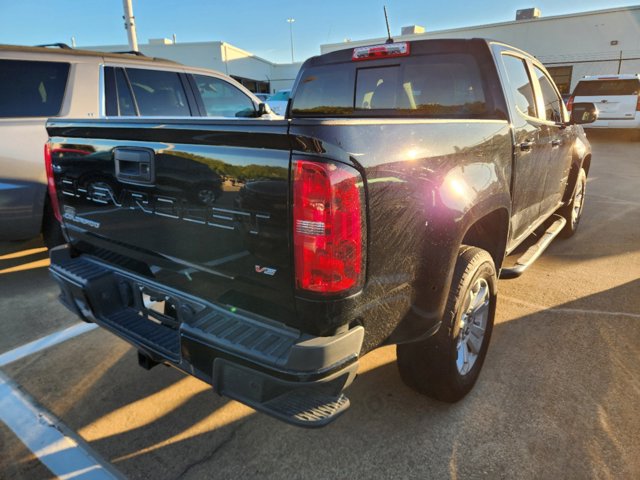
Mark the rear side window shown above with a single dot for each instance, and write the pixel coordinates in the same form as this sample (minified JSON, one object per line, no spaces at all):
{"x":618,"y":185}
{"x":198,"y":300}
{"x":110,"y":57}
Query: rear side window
{"x":607,"y":87}
{"x":32,"y":89}
{"x":221,"y":99}
{"x":520,"y":85}
{"x":126,"y":106}
{"x":552,"y":110}
{"x":437,"y":85}
{"x":158,"y":93}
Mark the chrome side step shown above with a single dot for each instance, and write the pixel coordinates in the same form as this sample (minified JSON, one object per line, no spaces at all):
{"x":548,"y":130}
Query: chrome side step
{"x":534,"y":251}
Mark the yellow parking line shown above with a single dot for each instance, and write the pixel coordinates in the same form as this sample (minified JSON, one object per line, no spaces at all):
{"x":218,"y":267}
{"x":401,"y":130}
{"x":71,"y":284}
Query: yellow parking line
{"x":27,"y":266}
{"x":23,"y":253}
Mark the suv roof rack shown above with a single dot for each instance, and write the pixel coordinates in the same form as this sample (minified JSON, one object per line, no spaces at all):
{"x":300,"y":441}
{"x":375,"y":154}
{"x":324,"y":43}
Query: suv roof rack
{"x":131,"y":52}
{"x":59,"y":45}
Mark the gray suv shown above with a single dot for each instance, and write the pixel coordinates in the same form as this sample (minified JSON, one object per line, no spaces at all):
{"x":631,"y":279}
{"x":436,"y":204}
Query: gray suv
{"x":37,"y":83}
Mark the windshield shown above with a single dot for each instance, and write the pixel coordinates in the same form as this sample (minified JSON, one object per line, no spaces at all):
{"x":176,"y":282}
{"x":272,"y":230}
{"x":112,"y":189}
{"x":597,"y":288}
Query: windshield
{"x":437,"y":85}
{"x":607,"y":87}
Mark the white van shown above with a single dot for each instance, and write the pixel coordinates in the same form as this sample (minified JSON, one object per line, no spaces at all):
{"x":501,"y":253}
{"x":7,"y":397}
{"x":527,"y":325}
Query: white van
{"x":616,"y":97}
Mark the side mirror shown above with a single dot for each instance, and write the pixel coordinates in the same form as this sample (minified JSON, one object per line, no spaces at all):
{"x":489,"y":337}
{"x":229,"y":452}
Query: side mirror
{"x":262,"y":109}
{"x":583,"y":113}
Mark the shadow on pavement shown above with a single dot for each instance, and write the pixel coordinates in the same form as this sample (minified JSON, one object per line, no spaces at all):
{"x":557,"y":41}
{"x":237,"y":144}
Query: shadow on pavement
{"x":29,"y":308}
{"x":558,"y":397}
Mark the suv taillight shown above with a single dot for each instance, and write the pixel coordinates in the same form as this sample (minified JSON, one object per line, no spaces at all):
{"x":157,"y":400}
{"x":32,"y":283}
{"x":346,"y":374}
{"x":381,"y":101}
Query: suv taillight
{"x":638,"y":104}
{"x":328,"y":226}
{"x":570,"y":103}
{"x":51,"y":184}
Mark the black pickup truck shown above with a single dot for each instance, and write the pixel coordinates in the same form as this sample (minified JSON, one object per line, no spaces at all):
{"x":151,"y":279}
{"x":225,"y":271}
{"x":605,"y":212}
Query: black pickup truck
{"x":265,"y":257}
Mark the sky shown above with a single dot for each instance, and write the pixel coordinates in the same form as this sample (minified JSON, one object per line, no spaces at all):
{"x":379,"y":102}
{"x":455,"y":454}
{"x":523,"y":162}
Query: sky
{"x":259,"y":27}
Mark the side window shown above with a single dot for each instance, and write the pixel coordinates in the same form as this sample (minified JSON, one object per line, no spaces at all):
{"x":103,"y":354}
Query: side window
{"x":552,"y":109}
{"x":158,"y":93}
{"x":520,"y":85}
{"x":126,"y":107}
{"x":221,"y":99}
{"x":32,"y":89}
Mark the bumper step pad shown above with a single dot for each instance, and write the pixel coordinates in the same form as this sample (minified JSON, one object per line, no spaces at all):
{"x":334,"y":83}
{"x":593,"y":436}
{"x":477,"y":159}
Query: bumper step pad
{"x":307,"y":407}
{"x":158,"y":338}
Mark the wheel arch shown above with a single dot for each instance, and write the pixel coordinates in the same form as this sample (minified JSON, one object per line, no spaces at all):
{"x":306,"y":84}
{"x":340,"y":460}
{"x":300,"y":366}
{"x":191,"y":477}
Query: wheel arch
{"x":577,"y":164}
{"x":586,"y":164}
{"x":489,"y":232}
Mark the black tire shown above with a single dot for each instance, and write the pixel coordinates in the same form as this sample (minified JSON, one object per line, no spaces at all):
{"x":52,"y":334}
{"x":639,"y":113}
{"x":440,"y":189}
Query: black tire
{"x":569,"y":212}
{"x":430,"y":366}
{"x":51,"y":230}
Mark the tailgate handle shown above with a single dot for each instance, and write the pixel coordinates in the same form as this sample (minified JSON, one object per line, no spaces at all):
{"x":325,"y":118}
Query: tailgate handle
{"x":135,"y":165}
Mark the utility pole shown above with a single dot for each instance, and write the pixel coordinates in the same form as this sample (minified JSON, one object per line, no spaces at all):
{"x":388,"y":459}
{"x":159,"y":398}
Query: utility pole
{"x":290,"y":22}
{"x":620,"y":62}
{"x":130,"y":25}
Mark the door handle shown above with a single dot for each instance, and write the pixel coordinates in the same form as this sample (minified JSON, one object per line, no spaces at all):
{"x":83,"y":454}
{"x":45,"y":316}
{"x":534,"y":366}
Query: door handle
{"x":555,"y":143}
{"x":135,"y":165}
{"x":525,"y":146}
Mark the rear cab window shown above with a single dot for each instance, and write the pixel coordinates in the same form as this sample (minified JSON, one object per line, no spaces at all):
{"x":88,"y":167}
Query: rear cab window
{"x":590,"y":88}
{"x":32,"y":88}
{"x":437,"y":85}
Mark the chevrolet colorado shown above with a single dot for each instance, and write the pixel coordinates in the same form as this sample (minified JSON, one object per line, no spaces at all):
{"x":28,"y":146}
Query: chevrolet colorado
{"x":265,"y":257}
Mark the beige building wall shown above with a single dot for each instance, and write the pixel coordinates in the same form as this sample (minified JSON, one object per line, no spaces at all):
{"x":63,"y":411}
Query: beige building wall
{"x":219,"y":56}
{"x":590,"y":42}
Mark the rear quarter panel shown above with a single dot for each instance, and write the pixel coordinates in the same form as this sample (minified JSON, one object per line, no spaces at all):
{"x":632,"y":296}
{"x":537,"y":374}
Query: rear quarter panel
{"x":427,"y":181}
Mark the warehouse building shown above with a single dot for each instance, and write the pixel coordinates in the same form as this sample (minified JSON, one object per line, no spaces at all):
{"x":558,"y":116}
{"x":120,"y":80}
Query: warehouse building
{"x":570,"y":46}
{"x":255,"y":73}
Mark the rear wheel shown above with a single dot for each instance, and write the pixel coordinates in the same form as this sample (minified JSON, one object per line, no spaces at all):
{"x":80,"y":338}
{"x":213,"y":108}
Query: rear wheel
{"x":573,"y":211}
{"x":446,"y":366}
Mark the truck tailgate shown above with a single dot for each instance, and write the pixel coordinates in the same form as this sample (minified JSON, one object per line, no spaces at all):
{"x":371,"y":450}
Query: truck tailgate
{"x":201,"y":206}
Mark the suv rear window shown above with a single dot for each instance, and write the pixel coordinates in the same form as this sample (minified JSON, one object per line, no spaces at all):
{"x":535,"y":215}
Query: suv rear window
{"x":436,"y":86}
{"x":607,"y":87}
{"x":32,"y":89}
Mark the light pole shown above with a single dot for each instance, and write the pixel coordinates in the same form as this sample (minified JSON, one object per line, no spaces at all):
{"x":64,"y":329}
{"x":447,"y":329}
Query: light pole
{"x":290,"y":22}
{"x":130,"y":25}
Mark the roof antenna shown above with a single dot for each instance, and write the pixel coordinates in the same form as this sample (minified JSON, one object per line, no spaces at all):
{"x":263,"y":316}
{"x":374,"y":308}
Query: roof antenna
{"x":386,"y":19}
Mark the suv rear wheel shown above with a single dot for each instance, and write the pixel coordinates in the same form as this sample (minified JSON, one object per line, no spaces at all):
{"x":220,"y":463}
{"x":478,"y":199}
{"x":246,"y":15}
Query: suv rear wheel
{"x":51,"y":230}
{"x":446,"y":366}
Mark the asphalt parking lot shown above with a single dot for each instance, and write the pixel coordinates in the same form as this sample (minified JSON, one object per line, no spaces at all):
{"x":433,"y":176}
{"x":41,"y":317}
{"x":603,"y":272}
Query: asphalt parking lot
{"x":558,"y":397}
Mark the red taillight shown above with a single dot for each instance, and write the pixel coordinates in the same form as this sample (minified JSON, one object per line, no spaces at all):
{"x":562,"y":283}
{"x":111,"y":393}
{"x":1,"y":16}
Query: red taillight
{"x":638,"y":104}
{"x":372,"y":52}
{"x":51,"y":185}
{"x":327,"y":227}
{"x":570,"y":104}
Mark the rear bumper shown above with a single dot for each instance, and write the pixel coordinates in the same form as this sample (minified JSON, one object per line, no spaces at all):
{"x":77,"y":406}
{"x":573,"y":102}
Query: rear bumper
{"x":273,"y":368}
{"x":631,"y":122}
